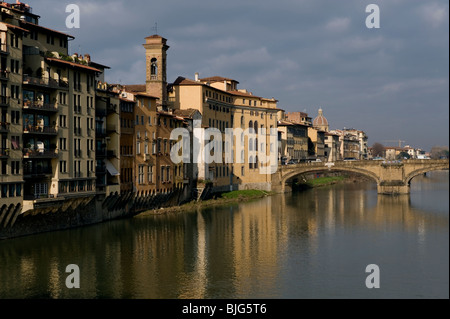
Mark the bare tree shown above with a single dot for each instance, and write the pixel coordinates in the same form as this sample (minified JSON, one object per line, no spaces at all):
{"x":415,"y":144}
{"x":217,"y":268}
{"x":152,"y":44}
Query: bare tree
{"x":378,"y":150}
{"x":439,"y":152}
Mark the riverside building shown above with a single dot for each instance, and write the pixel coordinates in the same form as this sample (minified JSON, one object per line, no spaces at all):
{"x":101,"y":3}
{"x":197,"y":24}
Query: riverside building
{"x":52,"y":112}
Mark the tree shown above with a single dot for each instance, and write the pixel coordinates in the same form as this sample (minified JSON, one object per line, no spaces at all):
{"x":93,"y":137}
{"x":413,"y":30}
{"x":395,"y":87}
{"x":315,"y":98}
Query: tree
{"x":438,"y":152}
{"x":378,"y":150}
{"x":403,"y":155}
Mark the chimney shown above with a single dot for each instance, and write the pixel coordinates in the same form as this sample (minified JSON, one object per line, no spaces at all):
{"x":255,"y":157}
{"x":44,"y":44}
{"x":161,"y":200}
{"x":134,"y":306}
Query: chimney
{"x":87,"y":58}
{"x":196,"y":77}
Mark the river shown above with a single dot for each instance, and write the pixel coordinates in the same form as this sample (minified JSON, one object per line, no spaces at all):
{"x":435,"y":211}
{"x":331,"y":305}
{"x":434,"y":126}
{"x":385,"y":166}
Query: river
{"x":311,"y":244}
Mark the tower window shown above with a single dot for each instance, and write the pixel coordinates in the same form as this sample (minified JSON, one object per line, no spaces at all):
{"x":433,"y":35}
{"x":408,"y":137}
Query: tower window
{"x":154,"y":68}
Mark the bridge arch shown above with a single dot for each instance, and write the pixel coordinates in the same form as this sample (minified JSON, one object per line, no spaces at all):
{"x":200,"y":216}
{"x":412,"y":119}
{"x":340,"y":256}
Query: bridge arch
{"x":303,"y":170}
{"x":422,"y":171}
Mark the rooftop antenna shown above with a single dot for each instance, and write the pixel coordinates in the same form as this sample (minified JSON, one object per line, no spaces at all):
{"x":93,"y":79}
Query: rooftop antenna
{"x":155,"y":28}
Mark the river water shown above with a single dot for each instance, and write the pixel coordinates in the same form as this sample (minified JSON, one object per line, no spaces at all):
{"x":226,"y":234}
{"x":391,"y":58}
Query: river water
{"x":313,"y":244}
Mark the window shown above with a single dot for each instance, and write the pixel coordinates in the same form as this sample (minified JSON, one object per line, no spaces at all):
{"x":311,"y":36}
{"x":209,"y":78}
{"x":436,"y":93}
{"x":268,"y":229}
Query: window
{"x":242,"y":171}
{"x":138,"y":147}
{"x":63,"y":166}
{"x":141,"y":174}
{"x":150,"y":174}
{"x":62,"y":121}
{"x":62,"y":98}
{"x":15,"y":142}
{"x":15,"y":167}
{"x":154,"y":68}
{"x":15,"y":68}
{"x":15,"y":91}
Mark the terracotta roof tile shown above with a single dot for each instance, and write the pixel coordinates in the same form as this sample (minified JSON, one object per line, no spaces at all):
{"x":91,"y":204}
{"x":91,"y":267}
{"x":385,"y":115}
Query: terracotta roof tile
{"x":75,"y":65}
{"x":217,"y":79}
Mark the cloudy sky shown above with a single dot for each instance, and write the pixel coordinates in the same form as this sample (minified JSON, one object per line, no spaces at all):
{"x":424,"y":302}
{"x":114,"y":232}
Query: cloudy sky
{"x":391,"y":82}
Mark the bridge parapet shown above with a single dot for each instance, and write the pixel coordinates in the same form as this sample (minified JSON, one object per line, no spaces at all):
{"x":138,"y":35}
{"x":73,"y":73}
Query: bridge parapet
{"x":391,"y":177}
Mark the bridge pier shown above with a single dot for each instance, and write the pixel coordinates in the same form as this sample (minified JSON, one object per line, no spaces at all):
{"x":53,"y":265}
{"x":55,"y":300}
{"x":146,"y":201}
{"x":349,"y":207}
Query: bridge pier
{"x":393,"y":189}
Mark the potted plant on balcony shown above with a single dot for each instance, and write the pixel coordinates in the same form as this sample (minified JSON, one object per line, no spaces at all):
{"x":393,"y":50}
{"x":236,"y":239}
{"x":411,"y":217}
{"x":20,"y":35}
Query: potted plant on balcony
{"x":27,"y":149}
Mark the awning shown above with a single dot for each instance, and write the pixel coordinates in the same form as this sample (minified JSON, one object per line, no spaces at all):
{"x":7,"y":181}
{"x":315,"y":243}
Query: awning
{"x":111,"y":169}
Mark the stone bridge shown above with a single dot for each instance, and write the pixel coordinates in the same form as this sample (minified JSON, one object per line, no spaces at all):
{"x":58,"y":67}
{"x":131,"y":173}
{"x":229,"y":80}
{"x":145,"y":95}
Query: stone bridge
{"x":391,"y":177}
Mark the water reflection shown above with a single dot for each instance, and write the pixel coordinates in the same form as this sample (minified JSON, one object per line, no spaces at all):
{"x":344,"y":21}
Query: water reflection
{"x":301,"y":245}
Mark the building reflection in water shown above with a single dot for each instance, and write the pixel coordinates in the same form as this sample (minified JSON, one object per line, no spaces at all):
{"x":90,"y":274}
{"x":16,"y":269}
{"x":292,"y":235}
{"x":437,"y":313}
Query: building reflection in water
{"x":268,"y":248}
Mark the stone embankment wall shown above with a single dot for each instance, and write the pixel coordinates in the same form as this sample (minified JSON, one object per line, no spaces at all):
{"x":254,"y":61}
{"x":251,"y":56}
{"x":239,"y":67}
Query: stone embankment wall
{"x":83,"y":211}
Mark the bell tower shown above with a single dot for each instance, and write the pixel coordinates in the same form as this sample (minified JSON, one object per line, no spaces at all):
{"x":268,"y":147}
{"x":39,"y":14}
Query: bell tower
{"x":156,"y":67}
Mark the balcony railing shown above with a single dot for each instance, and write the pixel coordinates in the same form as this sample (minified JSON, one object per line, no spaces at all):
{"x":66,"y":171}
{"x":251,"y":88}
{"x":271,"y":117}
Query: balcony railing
{"x":100,"y":153}
{"x":4,"y":75}
{"x":4,"y":127}
{"x":45,"y":81}
{"x":4,"y":101}
{"x":38,"y":172}
{"x":111,"y":108}
{"x":99,"y":132}
{"x":111,"y":154}
{"x":100,"y":113}
{"x":40,"y":154}
{"x":111,"y":128}
{"x":4,"y":152}
{"x":4,"y":48}
{"x":40,"y":130}
{"x":39,"y":106}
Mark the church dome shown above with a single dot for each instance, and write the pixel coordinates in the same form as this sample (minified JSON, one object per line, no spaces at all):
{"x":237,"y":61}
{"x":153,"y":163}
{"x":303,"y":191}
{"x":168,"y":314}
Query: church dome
{"x":320,"y":121}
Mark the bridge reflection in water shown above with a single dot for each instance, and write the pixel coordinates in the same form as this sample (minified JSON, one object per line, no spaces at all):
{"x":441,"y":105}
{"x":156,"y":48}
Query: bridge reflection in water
{"x":312,"y":244}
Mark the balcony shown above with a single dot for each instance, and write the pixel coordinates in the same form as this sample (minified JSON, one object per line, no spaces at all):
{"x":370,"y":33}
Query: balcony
{"x":39,"y":106}
{"x":40,"y":154}
{"x":4,"y":127}
{"x":4,"y":49}
{"x":127,"y":130}
{"x":4,"y":101}
{"x":39,"y":172}
{"x":111,"y":129}
{"x":100,"y":113}
{"x":101,"y":153}
{"x":111,"y":154}
{"x":78,"y":153}
{"x":45,"y":82}
{"x":100,"y":170}
{"x":4,"y":153}
{"x":100,"y":132}
{"x":41,"y":130}
{"x":4,"y":75}
{"x":111,"y":108}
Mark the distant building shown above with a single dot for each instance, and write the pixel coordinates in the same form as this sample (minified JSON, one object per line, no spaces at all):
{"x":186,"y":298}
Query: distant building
{"x":318,"y":139}
{"x":332,"y":147}
{"x":299,"y":118}
{"x":292,"y":141}
{"x":320,"y":122}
